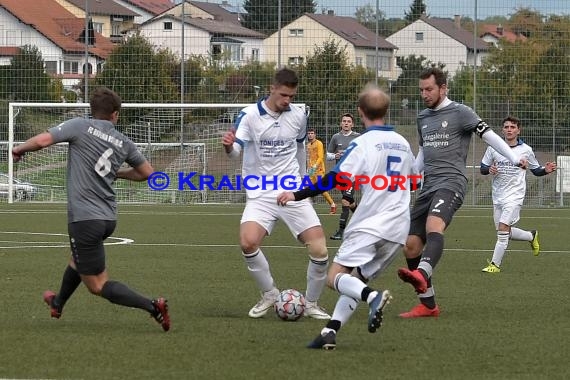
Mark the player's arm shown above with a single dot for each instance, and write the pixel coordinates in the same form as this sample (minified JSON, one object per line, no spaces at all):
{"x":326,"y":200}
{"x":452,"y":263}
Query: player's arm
{"x":548,"y":168}
{"x":33,"y":144}
{"x":331,"y":149}
{"x":138,"y":173}
{"x":496,"y":142}
{"x":419,"y":161}
{"x":329,"y":181}
{"x":487,"y":162}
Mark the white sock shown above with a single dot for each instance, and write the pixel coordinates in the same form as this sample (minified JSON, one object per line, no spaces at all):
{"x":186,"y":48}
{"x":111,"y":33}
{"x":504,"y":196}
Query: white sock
{"x":316,"y":278}
{"x":500,"y":247}
{"x":518,"y":234}
{"x":258,"y":266}
{"x":344,"y":308}
{"x":349,"y":285}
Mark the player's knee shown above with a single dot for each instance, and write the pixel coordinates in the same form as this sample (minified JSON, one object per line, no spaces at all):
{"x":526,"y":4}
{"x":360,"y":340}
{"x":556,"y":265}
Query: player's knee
{"x":318,"y":248}
{"x":345,"y":202}
{"x":248,"y":245}
{"x":413,"y":247}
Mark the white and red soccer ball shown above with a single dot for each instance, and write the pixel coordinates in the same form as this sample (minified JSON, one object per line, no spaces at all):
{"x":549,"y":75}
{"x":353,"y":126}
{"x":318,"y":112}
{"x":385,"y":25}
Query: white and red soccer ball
{"x":290,"y":305}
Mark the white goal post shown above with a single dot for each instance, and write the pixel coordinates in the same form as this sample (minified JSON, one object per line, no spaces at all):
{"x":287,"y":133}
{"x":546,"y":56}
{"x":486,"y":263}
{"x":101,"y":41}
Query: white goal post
{"x":178,"y":139}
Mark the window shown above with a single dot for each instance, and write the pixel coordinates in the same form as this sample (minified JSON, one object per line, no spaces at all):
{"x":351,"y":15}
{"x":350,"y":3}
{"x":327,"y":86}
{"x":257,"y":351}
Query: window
{"x":51,"y":67}
{"x":296,"y":32}
{"x":216,"y":51}
{"x":71,"y":67}
{"x":115,"y":28}
{"x":98,"y":27}
{"x":294,"y":61}
{"x":419,"y":37}
{"x":255,"y":55}
{"x":358,"y":61}
{"x":383,"y":63}
{"x":167,"y":25}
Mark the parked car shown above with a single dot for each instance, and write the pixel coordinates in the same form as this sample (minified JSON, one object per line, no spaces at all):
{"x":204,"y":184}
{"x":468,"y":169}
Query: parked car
{"x":22,"y":190}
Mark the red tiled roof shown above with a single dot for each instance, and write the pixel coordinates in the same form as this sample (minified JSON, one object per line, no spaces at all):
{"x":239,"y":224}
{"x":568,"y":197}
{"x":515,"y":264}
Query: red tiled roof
{"x":350,"y":29}
{"x":57,"y":24}
{"x":500,"y":32}
{"x":155,"y":7}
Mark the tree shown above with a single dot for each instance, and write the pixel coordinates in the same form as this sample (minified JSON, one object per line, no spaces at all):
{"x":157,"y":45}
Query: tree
{"x":262,"y":15}
{"x":366,"y":15}
{"x":417,"y":9}
{"x":28,"y":79}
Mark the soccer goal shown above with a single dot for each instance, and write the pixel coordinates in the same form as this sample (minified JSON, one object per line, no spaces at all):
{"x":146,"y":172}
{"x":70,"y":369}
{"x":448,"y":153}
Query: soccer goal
{"x":178,"y":139}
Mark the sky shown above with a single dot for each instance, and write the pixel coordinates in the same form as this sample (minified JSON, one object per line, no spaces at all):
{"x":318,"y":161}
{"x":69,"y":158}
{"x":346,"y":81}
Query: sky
{"x":449,"y":8}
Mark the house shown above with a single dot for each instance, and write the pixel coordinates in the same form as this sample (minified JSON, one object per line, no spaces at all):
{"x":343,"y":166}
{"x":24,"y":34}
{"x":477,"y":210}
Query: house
{"x":146,"y":9}
{"x":300,"y":37}
{"x":493,"y":34}
{"x":227,"y":42}
{"x":57,"y":33}
{"x":440,"y":40}
{"x":109,"y":18}
{"x":221,"y":12}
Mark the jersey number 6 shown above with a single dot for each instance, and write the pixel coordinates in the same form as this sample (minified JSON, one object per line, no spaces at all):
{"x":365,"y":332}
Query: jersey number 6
{"x":103,"y":165}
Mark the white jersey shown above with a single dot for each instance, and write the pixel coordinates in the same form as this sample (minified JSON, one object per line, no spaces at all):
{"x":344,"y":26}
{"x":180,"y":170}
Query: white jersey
{"x":509,"y":185}
{"x":272,"y":145}
{"x":384,"y":153}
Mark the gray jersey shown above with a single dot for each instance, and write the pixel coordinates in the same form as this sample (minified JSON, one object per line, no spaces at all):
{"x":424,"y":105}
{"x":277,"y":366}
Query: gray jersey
{"x":96,"y":151}
{"x":445,"y":135}
{"x":340,"y":142}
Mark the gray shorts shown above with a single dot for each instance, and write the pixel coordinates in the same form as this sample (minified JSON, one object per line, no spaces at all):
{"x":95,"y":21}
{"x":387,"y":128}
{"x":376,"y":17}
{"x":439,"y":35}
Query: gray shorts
{"x":86,"y":240}
{"x":442,"y":203}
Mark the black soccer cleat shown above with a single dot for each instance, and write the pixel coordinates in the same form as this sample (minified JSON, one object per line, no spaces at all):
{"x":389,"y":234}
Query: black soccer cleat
{"x":325,"y":342}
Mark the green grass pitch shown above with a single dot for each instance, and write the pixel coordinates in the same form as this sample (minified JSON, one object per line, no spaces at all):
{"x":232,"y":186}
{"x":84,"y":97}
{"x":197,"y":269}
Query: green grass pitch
{"x":514,"y":325}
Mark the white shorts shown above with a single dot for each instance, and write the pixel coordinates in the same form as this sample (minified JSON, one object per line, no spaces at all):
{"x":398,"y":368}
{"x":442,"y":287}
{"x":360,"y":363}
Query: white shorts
{"x":298,"y":216}
{"x":508,"y":214}
{"x":368,"y":252}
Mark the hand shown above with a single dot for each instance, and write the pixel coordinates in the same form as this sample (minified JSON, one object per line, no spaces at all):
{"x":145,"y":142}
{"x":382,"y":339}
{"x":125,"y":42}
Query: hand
{"x":523,"y":163}
{"x":311,"y":171}
{"x":549,"y":167}
{"x":493,"y":170}
{"x":228,"y":139}
{"x":16,"y":155}
{"x":285,"y":197}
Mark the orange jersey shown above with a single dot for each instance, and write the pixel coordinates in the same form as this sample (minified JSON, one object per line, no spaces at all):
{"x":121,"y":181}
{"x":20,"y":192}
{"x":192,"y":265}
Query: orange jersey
{"x":316,"y":153}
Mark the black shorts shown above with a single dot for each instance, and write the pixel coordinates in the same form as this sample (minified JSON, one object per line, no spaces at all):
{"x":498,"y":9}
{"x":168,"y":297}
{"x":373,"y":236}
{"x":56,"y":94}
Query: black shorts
{"x":348,"y":194}
{"x":86,"y":240}
{"x":442,"y":203}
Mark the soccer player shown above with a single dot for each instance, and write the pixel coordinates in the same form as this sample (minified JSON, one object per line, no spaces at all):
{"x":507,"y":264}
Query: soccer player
{"x":335,"y":150}
{"x":271,"y":134}
{"x":378,"y":228}
{"x":316,"y":153}
{"x":96,"y":152}
{"x":445,"y":129}
{"x":509,"y":188}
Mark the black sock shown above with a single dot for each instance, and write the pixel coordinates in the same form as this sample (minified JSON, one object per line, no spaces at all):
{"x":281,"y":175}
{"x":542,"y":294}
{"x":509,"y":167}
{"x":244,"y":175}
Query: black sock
{"x":428,"y":302}
{"x":69,"y":283}
{"x":433,"y":249}
{"x":413,"y":263}
{"x":120,"y":294}
{"x":333,"y":324}
{"x":365,"y":293}
{"x":343,"y":218}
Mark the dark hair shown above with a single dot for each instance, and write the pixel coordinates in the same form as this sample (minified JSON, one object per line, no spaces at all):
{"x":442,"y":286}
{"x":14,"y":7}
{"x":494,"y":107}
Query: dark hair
{"x":286,"y":77}
{"x":513,"y":120}
{"x":310,"y":129}
{"x":373,"y":102}
{"x":104,"y":102}
{"x":439,"y":75}
{"x":348,"y":114}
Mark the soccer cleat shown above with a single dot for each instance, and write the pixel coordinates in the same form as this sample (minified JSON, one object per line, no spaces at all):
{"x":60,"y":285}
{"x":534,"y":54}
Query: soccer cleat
{"x":48,"y":299}
{"x":415,"y":278}
{"x":491,"y":268}
{"x":333,"y":209}
{"x":534,"y":243}
{"x":337,"y":235}
{"x":266,"y":302}
{"x":315,"y":311}
{"x":377,"y":306}
{"x":420,"y":311}
{"x":160,"y":313}
{"x":326,"y":342}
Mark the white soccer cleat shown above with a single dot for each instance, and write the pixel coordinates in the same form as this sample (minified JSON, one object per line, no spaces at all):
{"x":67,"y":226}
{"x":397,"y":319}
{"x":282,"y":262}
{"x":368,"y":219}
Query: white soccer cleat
{"x":266,"y":303}
{"x":315,"y":311}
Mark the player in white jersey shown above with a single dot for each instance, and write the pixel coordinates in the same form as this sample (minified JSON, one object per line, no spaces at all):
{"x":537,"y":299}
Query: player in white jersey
{"x":271,"y":135}
{"x":509,"y":188}
{"x":379,"y":227}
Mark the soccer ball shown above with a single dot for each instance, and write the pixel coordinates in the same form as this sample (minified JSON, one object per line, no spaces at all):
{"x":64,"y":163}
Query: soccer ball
{"x":290,"y":305}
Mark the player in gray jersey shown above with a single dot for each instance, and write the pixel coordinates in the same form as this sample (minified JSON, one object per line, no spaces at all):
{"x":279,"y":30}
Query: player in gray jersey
{"x":96,"y":152}
{"x":445,"y":129}
{"x":337,"y":145}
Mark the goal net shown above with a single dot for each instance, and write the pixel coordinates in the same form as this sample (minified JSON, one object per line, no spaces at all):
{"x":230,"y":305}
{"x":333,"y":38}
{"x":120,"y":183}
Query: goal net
{"x":178,"y":139}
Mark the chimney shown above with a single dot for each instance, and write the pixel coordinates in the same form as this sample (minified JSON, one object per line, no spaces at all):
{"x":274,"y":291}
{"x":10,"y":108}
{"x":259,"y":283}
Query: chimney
{"x":330,"y":12}
{"x":457,"y":21}
{"x":500,"y":30}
